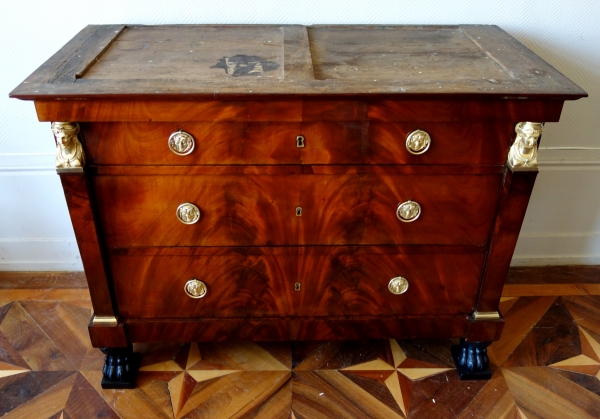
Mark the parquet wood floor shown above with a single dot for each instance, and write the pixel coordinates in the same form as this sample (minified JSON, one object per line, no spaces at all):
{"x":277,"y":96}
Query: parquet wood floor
{"x":547,"y":365}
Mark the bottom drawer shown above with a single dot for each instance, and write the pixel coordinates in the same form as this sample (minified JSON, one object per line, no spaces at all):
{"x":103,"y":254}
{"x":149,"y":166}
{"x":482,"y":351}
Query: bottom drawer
{"x":263,"y":282}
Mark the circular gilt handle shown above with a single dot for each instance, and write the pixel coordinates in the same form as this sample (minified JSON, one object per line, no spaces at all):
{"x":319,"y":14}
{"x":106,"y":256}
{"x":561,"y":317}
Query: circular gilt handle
{"x":195,"y":289}
{"x":188,"y":213}
{"x":408,"y":211}
{"x":398,"y":285}
{"x":418,"y":142}
{"x":181,"y":143}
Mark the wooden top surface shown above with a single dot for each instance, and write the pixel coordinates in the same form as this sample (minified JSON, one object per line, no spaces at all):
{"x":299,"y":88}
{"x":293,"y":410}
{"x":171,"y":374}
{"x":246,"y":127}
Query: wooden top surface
{"x":193,"y":62}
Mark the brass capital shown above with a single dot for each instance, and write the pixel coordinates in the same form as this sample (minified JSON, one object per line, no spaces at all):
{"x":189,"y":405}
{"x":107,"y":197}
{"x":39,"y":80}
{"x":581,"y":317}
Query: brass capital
{"x":523,"y":153}
{"x":69,"y":152}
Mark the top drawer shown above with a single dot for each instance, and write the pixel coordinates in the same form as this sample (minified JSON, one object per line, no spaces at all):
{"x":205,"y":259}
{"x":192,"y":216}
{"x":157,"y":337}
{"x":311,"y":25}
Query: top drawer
{"x":271,"y":143}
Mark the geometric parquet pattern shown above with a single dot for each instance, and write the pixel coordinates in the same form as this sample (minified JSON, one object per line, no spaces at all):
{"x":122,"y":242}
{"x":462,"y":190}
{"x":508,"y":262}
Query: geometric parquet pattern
{"x":547,"y":365}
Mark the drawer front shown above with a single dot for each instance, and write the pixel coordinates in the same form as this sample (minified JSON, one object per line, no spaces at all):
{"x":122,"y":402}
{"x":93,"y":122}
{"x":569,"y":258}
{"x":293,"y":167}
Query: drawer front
{"x":272,"y":143}
{"x":262,"y":282}
{"x":261,"y":210}
{"x":339,"y":283}
{"x":238,"y":284}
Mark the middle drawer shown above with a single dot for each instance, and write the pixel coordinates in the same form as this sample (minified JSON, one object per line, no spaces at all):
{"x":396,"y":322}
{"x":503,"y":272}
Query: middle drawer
{"x":315,"y":209}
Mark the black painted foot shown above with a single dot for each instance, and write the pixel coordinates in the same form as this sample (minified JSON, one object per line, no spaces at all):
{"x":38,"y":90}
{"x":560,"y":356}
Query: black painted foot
{"x":121,"y":366}
{"x":471,"y":360}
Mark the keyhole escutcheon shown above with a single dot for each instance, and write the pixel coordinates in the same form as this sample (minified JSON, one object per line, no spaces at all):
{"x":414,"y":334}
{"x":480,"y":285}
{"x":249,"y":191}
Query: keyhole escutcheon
{"x":298,"y":211}
{"x":300,"y":141}
{"x":297,"y":286}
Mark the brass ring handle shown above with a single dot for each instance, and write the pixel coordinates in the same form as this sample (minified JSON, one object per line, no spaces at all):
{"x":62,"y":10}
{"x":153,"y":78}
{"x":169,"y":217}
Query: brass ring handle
{"x":195,"y":289}
{"x":408,"y":211}
{"x":398,"y":285}
{"x":181,"y":143}
{"x":188,"y":213}
{"x":418,"y":142}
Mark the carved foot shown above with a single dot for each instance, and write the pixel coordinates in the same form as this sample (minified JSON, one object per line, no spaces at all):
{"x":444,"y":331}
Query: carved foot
{"x":120,"y":367}
{"x":471,"y":360}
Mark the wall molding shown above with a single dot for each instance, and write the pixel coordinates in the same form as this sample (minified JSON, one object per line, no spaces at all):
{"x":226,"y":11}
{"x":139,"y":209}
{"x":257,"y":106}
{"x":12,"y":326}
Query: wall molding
{"x":61,"y":254}
{"x":27,"y":163}
{"x":547,"y":157}
{"x":572,"y":158}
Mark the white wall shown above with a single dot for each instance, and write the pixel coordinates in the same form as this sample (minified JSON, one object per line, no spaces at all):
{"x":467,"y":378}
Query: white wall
{"x":563,"y":220}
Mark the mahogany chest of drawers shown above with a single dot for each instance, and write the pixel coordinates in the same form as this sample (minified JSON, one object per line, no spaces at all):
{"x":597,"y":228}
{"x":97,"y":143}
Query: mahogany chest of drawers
{"x":290,"y":182}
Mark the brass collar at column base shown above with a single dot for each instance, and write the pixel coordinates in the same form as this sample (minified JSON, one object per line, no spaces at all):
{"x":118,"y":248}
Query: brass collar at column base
{"x":485,"y":315}
{"x":104,"y":321}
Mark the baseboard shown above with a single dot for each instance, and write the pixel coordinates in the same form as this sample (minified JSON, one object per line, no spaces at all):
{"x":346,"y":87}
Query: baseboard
{"x":39,"y":255}
{"x":554,"y":261}
{"x":557,"y":249}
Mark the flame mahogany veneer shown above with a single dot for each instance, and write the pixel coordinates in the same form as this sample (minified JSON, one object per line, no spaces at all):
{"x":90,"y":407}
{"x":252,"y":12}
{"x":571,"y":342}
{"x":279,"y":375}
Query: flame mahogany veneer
{"x":245,"y":93}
